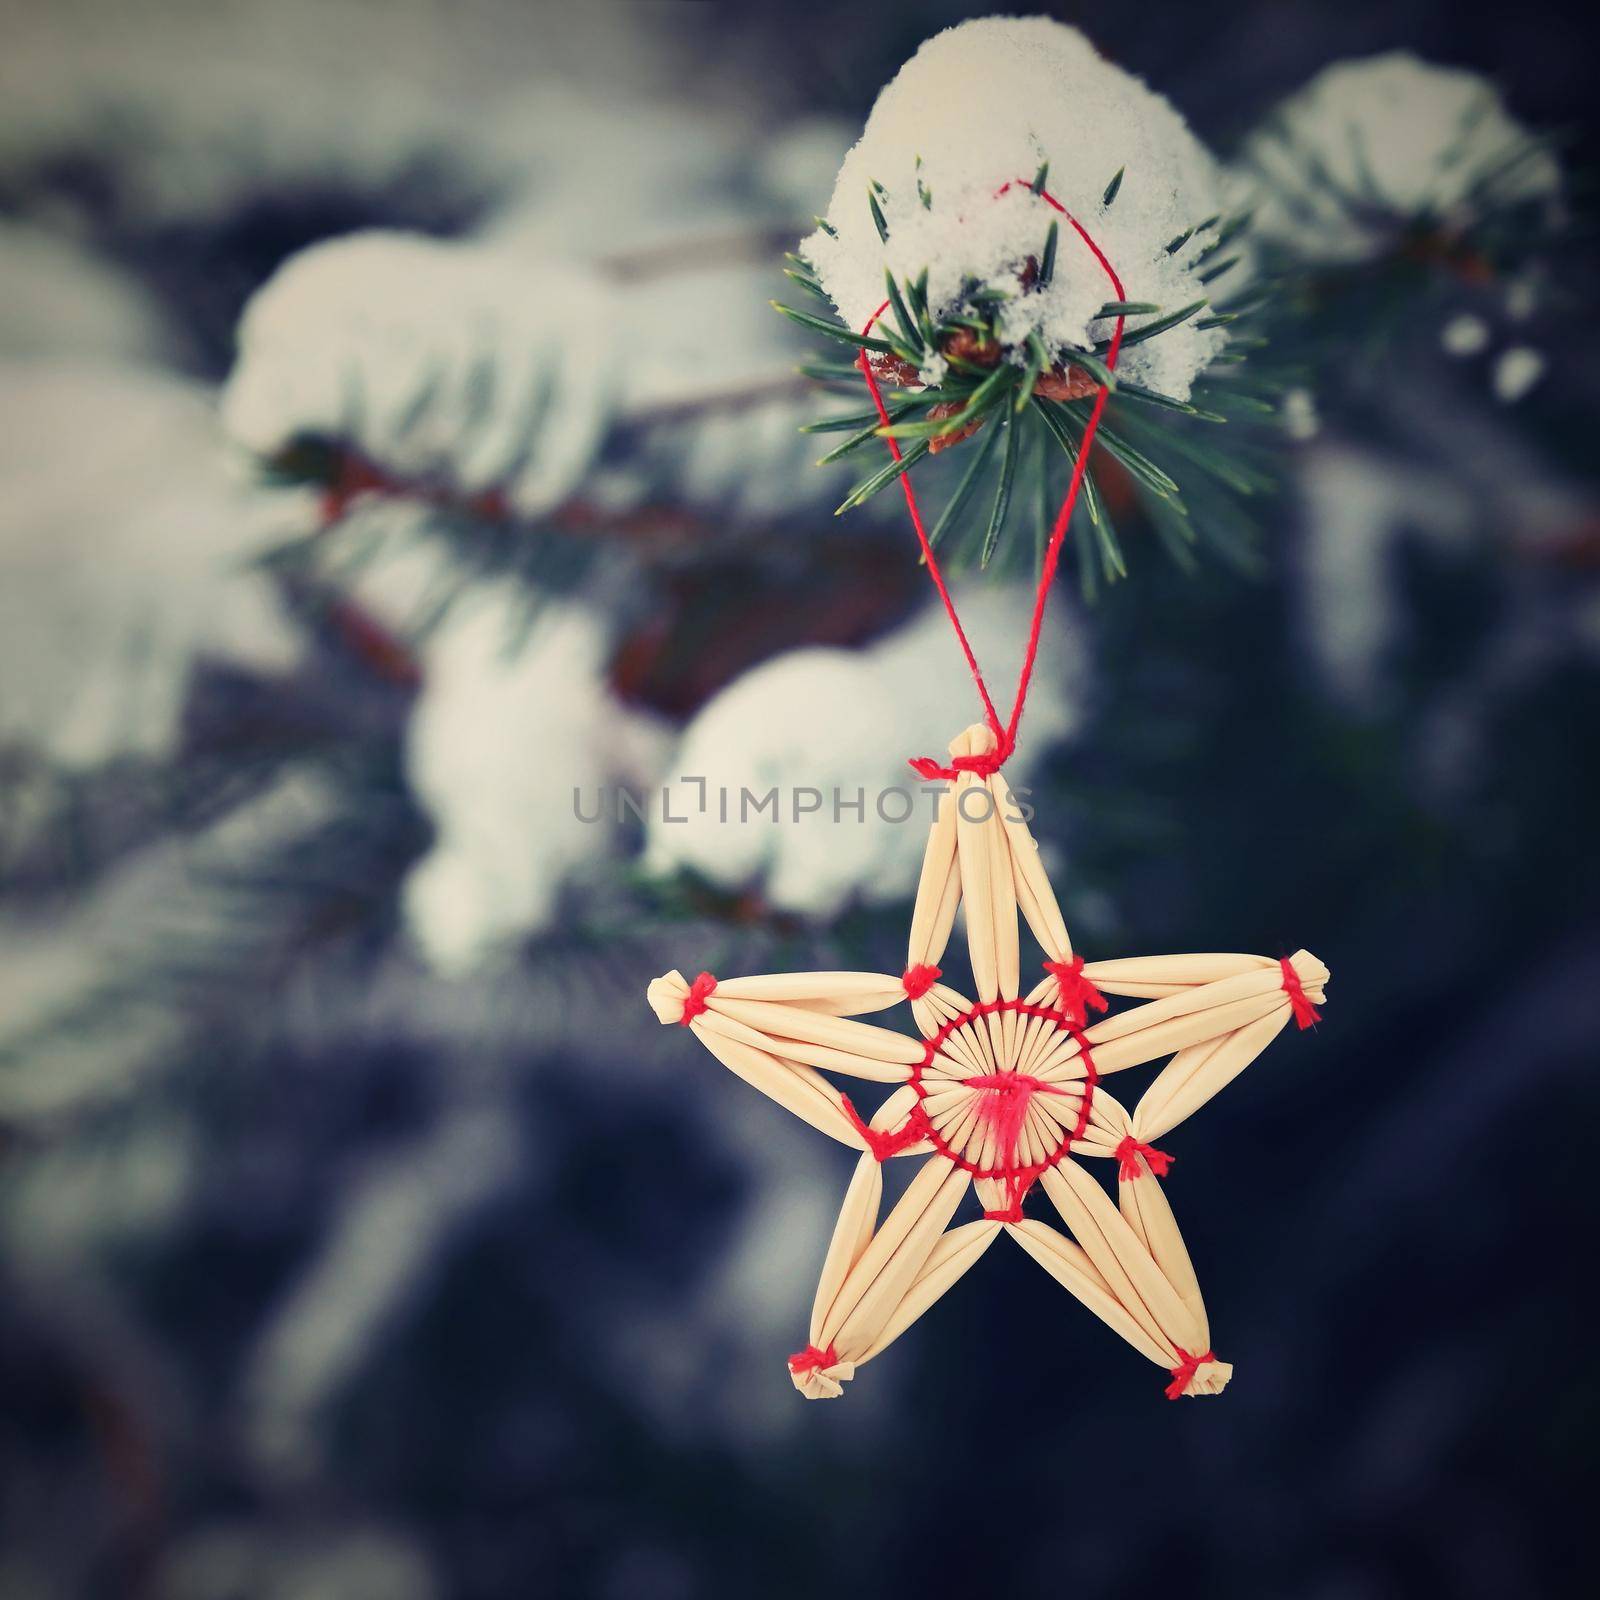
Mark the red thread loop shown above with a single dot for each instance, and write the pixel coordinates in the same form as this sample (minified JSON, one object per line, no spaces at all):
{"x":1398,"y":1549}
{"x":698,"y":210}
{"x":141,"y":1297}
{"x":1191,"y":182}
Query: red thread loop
{"x":695,"y":1001}
{"x":1078,"y":993}
{"x":1005,"y":732}
{"x":1128,"y":1153}
{"x":1304,"y":1012}
{"x":812,"y":1359}
{"x":883,"y":1145}
{"x":919,"y":980}
{"x":1183,"y":1373}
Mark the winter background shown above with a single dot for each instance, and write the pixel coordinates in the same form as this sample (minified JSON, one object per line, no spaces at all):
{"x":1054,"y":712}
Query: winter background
{"x":362,"y":1236}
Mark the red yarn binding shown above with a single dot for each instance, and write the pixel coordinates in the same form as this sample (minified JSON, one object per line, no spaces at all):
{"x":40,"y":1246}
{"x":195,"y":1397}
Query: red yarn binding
{"x":1078,"y":993}
{"x":1128,"y":1153}
{"x":884,"y":1145}
{"x":1005,"y":733}
{"x":812,"y":1359}
{"x":695,"y":1001}
{"x":1003,"y":1106}
{"x":1304,"y":1012}
{"x":1185,"y":1371}
{"x":1017,"y":1188}
{"x":917,"y":1127}
{"x":919,"y":980}
{"x":985,"y":766}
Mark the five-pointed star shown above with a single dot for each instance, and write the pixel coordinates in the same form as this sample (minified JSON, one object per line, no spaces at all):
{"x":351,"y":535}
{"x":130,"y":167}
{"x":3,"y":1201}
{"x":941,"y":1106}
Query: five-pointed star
{"x":1000,"y":1094}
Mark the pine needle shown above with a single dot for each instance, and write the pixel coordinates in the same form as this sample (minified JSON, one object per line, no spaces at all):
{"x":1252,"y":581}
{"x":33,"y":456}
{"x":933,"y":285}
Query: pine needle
{"x":1038,"y":359}
{"x":877,"y":216}
{"x":901,"y":315}
{"x":1047,"y":262}
{"x":964,"y":489}
{"x":1135,"y":336}
{"x":810,"y":285}
{"x":883,"y":477}
{"x":834,"y":330}
{"x":1002,"y":496}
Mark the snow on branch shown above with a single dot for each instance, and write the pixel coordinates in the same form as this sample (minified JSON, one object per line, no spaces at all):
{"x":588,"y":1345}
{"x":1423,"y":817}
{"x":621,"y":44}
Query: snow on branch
{"x":995,"y":101}
{"x":1371,"y":147}
{"x":443,"y":364}
{"x":821,"y":735}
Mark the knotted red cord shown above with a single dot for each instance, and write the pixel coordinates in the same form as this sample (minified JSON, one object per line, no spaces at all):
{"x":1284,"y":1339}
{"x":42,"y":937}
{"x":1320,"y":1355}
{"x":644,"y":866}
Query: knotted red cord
{"x":1005,"y":733}
{"x":1017,"y":1187}
{"x":884,"y":1145}
{"x":919,"y":980}
{"x":1299,"y":1002}
{"x":1078,"y":993}
{"x":812,"y":1359}
{"x":1185,"y":1371}
{"x":695,"y":1001}
{"x":1003,"y":1100}
{"x":1128,"y":1153}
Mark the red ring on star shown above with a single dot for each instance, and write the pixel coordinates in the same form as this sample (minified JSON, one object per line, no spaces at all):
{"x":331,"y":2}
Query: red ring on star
{"x":1012,"y":1170}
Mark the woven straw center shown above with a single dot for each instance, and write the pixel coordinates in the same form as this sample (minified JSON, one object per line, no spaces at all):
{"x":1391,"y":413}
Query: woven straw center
{"x":1006,"y":1088}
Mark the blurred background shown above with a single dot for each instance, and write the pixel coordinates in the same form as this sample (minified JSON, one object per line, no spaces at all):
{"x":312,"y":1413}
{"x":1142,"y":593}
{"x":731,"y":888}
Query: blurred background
{"x":362,"y":1236}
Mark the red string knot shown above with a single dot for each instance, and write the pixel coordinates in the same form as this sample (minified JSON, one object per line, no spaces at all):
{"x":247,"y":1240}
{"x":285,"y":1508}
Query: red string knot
{"x":883,"y":1145}
{"x":812,"y":1359}
{"x":1078,"y":993}
{"x":919,"y":980}
{"x":1128,"y":1153}
{"x":1304,"y":1012}
{"x":1017,"y":1191}
{"x":1183,"y":1373}
{"x":695,"y":1001}
{"x":985,"y":766}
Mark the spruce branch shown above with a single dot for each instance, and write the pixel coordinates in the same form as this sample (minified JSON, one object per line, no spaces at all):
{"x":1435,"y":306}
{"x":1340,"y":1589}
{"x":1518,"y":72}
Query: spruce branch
{"x":1020,"y":408}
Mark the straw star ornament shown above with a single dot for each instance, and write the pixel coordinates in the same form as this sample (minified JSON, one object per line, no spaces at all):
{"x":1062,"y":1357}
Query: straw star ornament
{"x":1000,"y":1094}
